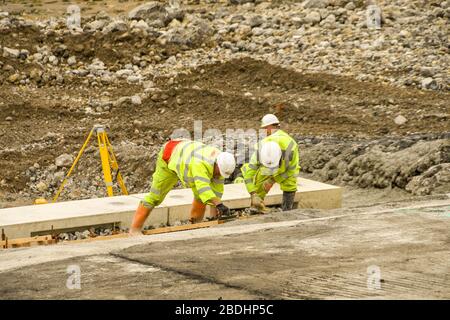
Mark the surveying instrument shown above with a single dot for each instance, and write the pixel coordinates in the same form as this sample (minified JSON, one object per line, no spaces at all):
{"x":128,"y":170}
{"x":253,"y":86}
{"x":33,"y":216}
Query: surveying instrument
{"x":110,"y":166}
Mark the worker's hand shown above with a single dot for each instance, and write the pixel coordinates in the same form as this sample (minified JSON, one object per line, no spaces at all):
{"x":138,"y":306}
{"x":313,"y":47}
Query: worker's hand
{"x":135,"y":232}
{"x":256,"y":201}
{"x":257,"y":204}
{"x":222,"y":210}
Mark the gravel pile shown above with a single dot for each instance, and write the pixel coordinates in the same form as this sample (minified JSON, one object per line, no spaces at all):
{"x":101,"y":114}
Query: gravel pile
{"x":409,"y":49}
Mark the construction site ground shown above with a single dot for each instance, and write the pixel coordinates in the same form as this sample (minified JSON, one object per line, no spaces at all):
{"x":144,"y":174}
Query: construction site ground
{"x":302,"y":254}
{"x":47,"y":111}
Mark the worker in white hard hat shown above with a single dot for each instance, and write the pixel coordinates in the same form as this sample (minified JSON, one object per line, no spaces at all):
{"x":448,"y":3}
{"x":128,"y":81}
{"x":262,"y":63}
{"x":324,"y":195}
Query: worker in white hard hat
{"x":198,"y":166}
{"x":275,"y":160}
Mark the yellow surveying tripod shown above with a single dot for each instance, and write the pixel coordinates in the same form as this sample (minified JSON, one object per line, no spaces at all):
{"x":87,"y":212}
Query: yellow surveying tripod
{"x":108,"y":159}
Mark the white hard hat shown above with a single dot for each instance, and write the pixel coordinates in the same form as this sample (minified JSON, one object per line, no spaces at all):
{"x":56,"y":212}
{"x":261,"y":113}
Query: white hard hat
{"x":270,"y":154}
{"x":269,"y":119}
{"x":226,"y":164}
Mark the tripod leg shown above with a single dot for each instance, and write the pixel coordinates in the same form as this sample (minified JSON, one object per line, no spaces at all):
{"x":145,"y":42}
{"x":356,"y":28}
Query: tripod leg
{"x":73,"y":165}
{"x":115,"y":166}
{"x":104,"y":155}
{"x":122,"y":184}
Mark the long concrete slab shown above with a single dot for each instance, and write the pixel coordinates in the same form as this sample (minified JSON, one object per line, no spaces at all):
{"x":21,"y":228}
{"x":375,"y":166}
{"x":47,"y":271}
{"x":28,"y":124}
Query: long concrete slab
{"x":23,"y":221}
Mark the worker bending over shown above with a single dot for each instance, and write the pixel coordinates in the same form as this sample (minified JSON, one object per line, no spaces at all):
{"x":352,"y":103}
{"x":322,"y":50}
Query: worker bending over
{"x":198,"y":166}
{"x":275,"y":160}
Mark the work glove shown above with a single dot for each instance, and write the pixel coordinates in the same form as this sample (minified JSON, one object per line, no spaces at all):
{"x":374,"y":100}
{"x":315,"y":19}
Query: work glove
{"x":223,"y":210}
{"x":257,"y":203}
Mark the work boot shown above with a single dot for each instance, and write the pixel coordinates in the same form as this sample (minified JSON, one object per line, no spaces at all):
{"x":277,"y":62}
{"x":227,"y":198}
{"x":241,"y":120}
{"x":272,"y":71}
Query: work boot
{"x":288,"y":200}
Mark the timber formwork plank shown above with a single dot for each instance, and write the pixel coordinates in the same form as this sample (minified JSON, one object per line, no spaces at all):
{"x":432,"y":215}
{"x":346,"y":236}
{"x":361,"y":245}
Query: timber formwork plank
{"x":46,"y":240}
{"x":23,"y":221}
{"x":27,"y":242}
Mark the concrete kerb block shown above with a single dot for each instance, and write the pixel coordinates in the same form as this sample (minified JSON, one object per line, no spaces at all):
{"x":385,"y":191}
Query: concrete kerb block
{"x":22,"y":221}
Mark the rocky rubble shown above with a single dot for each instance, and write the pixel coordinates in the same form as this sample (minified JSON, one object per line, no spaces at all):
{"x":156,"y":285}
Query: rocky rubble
{"x":418,"y":164}
{"x":87,"y":181}
{"x":411,"y":48}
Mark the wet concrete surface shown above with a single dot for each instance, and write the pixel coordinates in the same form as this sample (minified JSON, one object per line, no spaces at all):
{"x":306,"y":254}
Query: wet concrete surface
{"x":400,"y":254}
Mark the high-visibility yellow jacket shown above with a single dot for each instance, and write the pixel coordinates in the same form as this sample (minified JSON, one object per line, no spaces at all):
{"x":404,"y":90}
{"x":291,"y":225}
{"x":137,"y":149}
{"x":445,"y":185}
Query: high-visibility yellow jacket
{"x":193,"y":163}
{"x":289,"y":166}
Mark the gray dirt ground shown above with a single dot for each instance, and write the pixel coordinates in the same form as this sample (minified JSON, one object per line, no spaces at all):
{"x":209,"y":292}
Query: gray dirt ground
{"x":302,"y":254}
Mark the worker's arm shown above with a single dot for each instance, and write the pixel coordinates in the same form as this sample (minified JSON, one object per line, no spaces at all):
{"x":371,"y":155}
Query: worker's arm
{"x":292,"y":168}
{"x":294,"y":164}
{"x":249,"y":171}
{"x":209,"y":192}
{"x":217,"y":185}
{"x":203,"y":183}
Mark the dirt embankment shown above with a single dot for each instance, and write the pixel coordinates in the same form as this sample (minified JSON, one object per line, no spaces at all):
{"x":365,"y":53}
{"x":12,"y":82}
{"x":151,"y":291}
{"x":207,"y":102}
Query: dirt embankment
{"x":39,"y":124}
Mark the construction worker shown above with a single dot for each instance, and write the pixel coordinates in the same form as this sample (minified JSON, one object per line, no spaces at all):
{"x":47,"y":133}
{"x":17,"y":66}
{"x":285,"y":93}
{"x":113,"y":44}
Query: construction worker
{"x":198,"y":166}
{"x":275,"y":159}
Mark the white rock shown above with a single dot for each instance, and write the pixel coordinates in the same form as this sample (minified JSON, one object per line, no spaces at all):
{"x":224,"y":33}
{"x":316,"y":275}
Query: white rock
{"x":64,"y":160}
{"x":141,"y":24}
{"x":400,"y":120}
{"x":53,"y":60}
{"x":134,"y":79}
{"x":136,"y":100}
{"x":405,"y":34}
{"x":174,"y":24}
{"x":58,"y":176}
{"x":96,"y":65}
{"x":118,"y":25}
{"x":10,"y":53}
{"x":71,"y":60}
{"x":95,"y":25}
{"x":330,"y":20}
{"x":350,"y":6}
{"x":150,"y":10}
{"x":313,"y":17}
{"x":429,"y":83}
{"x":171,"y":60}
{"x":124,"y":73}
{"x":257,"y":31}
{"x":38,"y":56}
{"x":42,"y":186}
